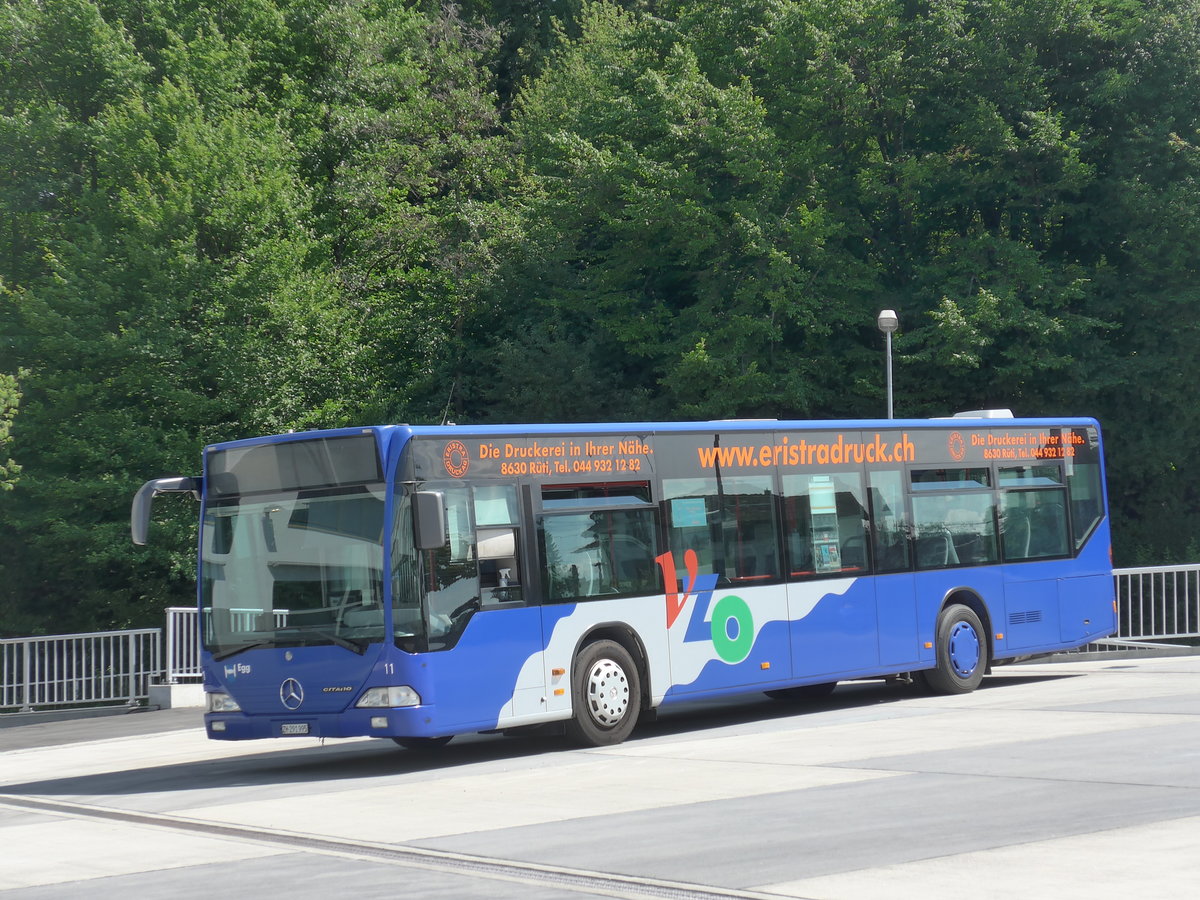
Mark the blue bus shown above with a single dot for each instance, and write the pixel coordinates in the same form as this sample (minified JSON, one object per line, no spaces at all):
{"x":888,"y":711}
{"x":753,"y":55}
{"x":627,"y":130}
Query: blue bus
{"x":418,"y":582}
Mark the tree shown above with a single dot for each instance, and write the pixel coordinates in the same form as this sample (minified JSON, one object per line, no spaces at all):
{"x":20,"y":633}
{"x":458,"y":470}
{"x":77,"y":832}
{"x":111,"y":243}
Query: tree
{"x":1140,"y":234}
{"x":628,"y":146}
{"x":144,"y":300}
{"x":10,"y":399}
{"x":217,"y":250}
{"x":401,"y":144}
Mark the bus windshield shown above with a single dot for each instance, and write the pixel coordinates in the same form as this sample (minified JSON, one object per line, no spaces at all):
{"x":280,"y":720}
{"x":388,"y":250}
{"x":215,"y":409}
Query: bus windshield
{"x":292,"y":568}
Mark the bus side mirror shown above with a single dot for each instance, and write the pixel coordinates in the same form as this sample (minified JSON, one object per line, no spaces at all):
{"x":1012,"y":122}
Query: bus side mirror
{"x":429,"y":520}
{"x":139,"y":515}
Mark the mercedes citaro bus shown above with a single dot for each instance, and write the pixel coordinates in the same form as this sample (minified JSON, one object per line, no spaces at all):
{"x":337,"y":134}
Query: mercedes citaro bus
{"x":416,"y":582}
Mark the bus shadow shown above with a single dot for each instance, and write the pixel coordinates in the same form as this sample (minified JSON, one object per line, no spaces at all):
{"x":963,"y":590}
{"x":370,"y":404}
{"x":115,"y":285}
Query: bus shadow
{"x":332,"y":762}
{"x":475,"y":754}
{"x":709,"y":715}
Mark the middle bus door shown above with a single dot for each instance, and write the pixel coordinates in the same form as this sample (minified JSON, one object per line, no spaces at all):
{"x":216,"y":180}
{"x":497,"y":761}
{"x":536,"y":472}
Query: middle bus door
{"x":899,"y":641}
{"x":831,"y":596}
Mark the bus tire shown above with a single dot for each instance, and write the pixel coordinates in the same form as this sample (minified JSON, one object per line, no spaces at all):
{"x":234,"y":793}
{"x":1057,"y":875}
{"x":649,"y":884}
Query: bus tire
{"x":962,"y":652}
{"x":606,"y":695}
{"x":804,"y":692}
{"x":422,"y":744}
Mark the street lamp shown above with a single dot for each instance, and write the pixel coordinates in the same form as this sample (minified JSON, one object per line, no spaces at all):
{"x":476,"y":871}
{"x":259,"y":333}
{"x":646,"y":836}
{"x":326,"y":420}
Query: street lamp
{"x":888,"y":323}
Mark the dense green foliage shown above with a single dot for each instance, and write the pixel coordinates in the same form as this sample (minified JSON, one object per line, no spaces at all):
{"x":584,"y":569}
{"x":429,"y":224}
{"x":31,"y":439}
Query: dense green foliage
{"x":10,"y":399}
{"x":221,"y":218}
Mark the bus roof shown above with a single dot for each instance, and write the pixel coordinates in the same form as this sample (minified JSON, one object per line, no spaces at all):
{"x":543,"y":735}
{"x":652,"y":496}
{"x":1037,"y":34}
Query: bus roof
{"x":386,"y":433}
{"x":733,"y":425}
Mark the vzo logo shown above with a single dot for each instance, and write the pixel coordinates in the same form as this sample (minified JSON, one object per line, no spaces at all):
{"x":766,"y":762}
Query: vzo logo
{"x":731,"y":628}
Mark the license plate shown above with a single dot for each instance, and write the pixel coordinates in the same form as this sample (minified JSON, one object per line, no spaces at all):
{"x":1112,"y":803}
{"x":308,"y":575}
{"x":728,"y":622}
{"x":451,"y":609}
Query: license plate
{"x":294,"y":728}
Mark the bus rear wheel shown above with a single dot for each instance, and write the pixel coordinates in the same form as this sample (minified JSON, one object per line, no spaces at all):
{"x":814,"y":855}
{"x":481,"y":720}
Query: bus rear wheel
{"x":962,"y":653}
{"x":606,"y":695}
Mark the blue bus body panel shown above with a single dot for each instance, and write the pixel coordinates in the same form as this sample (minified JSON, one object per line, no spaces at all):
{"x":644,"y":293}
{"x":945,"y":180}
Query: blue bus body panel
{"x":477,"y":684}
{"x":839,"y":634}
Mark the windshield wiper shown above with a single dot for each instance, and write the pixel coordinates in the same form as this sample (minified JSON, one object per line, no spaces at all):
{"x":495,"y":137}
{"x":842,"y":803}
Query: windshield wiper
{"x":345,"y":643}
{"x":359,"y":647}
{"x":233,"y":651}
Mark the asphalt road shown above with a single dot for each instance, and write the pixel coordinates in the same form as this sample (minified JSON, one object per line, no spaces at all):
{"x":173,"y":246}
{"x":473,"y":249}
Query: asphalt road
{"x":1055,"y":780}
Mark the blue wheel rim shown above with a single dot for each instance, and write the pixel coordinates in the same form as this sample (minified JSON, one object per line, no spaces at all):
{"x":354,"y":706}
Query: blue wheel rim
{"x":964,"y":649}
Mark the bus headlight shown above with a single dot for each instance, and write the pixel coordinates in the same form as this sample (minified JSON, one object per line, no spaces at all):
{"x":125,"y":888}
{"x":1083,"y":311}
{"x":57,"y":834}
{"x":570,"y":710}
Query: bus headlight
{"x":385,"y":697}
{"x":220,"y":702}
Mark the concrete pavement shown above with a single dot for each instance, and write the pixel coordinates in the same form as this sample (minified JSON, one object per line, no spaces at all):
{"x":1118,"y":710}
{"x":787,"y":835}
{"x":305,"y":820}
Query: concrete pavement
{"x":1055,"y":780}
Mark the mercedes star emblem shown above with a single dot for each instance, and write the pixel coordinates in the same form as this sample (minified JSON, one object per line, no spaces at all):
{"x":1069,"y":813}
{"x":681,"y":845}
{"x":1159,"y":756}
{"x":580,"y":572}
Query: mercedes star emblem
{"x":291,"y":693}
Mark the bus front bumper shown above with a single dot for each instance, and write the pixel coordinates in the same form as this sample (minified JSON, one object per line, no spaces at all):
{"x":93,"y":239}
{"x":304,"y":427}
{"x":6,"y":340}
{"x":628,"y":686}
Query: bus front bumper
{"x":415,"y":721}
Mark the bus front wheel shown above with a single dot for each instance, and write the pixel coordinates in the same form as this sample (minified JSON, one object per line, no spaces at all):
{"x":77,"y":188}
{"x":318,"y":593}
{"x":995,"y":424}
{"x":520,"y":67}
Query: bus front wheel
{"x":606,"y":695}
{"x":962,"y":653}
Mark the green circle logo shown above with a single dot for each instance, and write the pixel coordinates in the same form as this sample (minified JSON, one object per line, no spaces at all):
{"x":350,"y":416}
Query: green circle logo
{"x":732,"y":629}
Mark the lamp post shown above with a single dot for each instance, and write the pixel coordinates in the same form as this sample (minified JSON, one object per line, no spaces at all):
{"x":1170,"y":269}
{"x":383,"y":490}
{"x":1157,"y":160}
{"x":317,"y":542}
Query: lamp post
{"x":888,"y":323}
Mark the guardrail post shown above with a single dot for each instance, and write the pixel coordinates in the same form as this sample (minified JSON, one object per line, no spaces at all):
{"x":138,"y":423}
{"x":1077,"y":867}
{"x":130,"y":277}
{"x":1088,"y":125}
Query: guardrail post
{"x":170,"y":661}
{"x":133,"y":657}
{"x":26,"y":677}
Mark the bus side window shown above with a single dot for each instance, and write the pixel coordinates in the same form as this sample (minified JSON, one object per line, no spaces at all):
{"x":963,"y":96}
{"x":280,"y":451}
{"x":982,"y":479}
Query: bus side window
{"x":826,"y":524}
{"x":731,"y":527}
{"x":598,"y":540}
{"x":955,"y":517}
{"x":892,"y":527}
{"x":497,"y":543}
{"x":1033,"y":520}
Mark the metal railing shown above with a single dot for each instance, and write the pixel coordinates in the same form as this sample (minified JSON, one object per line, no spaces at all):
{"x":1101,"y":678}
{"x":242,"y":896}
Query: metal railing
{"x":182,"y":639}
{"x":1158,"y":608}
{"x":79,"y":669}
{"x":1158,"y":601}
